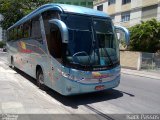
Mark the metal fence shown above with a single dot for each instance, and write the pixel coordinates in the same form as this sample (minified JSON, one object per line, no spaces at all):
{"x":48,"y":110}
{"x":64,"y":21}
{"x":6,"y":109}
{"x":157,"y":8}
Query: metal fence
{"x":150,"y":61}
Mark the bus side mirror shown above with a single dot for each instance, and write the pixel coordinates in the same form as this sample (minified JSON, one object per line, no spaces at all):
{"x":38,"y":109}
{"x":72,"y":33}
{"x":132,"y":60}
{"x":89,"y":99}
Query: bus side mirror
{"x":62,"y":27}
{"x":123,"y":34}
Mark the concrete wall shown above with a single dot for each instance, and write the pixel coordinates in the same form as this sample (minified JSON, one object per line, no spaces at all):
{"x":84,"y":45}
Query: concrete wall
{"x":130,"y":59}
{"x":149,"y":2}
{"x":117,"y":19}
{"x":118,"y":5}
{"x":136,"y":3}
{"x":158,"y":12}
{"x":135,"y":17}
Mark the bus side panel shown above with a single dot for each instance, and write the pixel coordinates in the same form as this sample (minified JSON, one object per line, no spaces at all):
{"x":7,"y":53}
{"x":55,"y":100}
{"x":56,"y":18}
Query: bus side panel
{"x":36,"y":54}
{"x":27,"y":54}
{"x":56,"y":76}
{"x":13,"y":54}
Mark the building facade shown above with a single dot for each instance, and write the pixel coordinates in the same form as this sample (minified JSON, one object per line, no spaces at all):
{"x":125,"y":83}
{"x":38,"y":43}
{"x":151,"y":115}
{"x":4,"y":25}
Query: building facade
{"x":129,"y":12}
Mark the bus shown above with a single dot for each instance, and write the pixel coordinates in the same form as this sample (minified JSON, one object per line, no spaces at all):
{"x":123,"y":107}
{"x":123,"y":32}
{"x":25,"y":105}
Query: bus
{"x":71,"y":49}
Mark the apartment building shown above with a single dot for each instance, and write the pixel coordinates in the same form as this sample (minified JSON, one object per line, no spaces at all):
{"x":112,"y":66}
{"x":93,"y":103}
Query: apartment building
{"x":129,"y":12}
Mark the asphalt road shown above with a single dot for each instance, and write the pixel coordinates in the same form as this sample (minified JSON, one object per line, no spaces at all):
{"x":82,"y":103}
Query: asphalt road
{"x":20,"y":95}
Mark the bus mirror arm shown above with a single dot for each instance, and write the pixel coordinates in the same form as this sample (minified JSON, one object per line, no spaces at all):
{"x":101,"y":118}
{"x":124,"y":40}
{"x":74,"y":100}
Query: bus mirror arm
{"x":62,"y":27}
{"x":126,"y":33}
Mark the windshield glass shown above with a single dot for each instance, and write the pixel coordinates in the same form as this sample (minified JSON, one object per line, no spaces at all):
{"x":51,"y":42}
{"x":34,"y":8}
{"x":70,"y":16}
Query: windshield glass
{"x":92,"y":41}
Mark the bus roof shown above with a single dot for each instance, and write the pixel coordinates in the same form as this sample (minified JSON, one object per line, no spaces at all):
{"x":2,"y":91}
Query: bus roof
{"x":64,"y":8}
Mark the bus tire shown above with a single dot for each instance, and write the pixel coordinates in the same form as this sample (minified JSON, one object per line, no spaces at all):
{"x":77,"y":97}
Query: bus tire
{"x":12,"y":62}
{"x":40,"y":78}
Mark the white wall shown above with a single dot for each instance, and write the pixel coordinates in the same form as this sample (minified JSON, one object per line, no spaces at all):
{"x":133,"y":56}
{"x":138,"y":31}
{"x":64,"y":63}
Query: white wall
{"x":117,"y":20}
{"x":135,"y":17}
{"x":95,"y":7}
{"x":136,"y":3}
{"x":118,"y":5}
{"x":105,"y":7}
{"x":158,"y":13}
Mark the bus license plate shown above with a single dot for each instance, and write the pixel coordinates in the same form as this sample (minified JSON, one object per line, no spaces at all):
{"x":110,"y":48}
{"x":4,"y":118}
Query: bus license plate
{"x":100,"y":87}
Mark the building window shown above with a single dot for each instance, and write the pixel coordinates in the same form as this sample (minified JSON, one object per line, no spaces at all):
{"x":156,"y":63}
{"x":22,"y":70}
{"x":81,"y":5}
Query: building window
{"x":125,"y":16}
{"x":100,"y":7}
{"x":149,"y":12}
{"x":110,"y":2}
{"x":125,"y":2}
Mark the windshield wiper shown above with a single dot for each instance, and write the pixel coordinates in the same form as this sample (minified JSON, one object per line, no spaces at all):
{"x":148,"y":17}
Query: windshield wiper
{"x":93,"y":47}
{"x":106,"y":52}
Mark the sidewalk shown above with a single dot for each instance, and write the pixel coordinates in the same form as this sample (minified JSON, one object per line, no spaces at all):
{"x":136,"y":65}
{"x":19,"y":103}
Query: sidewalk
{"x":141,"y":73}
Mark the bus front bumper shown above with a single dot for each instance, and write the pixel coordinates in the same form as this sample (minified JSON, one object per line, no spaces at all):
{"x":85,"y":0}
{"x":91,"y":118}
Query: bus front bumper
{"x":73,"y":87}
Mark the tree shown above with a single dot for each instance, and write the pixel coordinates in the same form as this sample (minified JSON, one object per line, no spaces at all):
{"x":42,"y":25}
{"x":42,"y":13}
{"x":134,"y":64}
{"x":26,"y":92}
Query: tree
{"x":11,"y":12}
{"x":145,"y":37}
{"x":1,"y":44}
{"x":30,"y":5}
{"x":14,"y":10}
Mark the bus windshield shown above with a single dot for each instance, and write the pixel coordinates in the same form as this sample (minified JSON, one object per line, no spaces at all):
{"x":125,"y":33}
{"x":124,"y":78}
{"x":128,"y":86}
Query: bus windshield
{"x":92,"y":41}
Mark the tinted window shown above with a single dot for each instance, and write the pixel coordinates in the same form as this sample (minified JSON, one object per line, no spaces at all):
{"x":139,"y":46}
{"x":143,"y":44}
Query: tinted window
{"x":48,"y":16}
{"x":36,"y":30}
{"x":27,"y":29}
{"x":77,"y":22}
{"x":12,"y":35}
{"x":20,"y":32}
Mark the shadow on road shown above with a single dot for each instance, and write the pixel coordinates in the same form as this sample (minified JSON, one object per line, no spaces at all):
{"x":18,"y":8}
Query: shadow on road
{"x":82,"y":99}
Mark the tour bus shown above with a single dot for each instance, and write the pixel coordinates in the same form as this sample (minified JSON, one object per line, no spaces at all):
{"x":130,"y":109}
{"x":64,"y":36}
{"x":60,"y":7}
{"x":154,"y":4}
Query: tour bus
{"x":71,"y":49}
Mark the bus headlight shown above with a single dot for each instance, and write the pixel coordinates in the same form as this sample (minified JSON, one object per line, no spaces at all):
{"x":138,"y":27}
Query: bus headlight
{"x":71,"y":77}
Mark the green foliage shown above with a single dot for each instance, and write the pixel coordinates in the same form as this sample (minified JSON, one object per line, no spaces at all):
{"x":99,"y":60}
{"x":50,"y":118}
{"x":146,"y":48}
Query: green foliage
{"x":145,"y":37}
{"x":14,"y":10}
{"x":11,"y":11}
{"x":1,"y":44}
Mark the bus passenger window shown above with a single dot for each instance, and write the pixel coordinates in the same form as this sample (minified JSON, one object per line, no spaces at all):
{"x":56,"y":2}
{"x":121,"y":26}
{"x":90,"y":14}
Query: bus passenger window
{"x":20,"y":32}
{"x":52,"y":33}
{"x":14,"y":35}
{"x":36,"y":30}
{"x":11,"y":35}
{"x":55,"y":42}
{"x":26,"y":29}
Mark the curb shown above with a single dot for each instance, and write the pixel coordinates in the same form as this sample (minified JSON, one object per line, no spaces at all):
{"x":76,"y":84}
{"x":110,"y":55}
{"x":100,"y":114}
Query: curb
{"x":141,"y":74}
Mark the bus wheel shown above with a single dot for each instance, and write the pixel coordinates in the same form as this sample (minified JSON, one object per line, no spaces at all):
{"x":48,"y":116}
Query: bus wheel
{"x":40,"y":78}
{"x":12,"y":63}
